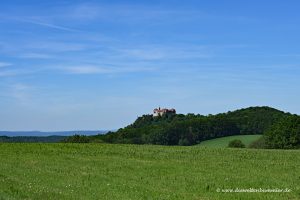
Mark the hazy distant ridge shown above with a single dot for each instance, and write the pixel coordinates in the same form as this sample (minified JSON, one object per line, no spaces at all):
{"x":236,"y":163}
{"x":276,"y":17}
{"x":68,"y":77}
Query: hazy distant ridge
{"x":41,"y":133}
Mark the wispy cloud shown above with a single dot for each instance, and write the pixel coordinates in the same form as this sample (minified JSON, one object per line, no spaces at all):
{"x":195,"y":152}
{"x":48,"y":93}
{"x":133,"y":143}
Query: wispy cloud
{"x":35,"y":56}
{"x":84,"y":12}
{"x":91,"y":69}
{"x":15,"y":72}
{"x":127,"y":13}
{"x":20,"y":92}
{"x":164,"y":52}
{"x":4,"y":64}
{"x":119,"y":12}
{"x":24,"y":94}
{"x":20,"y":71}
{"x":143,"y":54}
{"x":86,"y":70}
{"x":4,"y":71}
{"x":56,"y":46}
{"x":46,"y":24}
{"x":8,"y":73}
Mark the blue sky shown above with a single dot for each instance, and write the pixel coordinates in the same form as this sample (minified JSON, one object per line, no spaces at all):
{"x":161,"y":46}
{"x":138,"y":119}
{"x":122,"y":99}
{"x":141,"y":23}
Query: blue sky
{"x":68,"y":65}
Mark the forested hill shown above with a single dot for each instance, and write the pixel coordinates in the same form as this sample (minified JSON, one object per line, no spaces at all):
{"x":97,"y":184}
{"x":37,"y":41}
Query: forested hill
{"x":190,"y":129}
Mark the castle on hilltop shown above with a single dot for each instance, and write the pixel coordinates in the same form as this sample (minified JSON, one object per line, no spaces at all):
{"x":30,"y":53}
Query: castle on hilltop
{"x":161,"y":112}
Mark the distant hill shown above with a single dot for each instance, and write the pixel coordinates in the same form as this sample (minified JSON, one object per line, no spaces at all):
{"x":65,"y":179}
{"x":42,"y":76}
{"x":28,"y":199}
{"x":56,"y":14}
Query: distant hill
{"x":190,"y":129}
{"x":57,"y":133}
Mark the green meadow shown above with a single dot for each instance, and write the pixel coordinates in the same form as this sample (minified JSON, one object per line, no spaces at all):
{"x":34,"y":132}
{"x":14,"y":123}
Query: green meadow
{"x":223,"y":141}
{"x":106,"y":171}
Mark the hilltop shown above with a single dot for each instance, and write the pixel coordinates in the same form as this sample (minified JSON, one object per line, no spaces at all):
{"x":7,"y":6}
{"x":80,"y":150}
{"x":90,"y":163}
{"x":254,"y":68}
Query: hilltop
{"x":191,"y":129}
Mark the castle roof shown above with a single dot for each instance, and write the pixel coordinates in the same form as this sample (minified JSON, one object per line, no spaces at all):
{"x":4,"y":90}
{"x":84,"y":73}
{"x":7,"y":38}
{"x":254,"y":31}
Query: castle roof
{"x":164,"y":110}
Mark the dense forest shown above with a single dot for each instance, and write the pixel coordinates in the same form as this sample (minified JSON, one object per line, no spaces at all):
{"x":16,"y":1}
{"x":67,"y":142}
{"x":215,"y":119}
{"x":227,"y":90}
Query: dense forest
{"x":191,"y":129}
{"x":285,"y":134}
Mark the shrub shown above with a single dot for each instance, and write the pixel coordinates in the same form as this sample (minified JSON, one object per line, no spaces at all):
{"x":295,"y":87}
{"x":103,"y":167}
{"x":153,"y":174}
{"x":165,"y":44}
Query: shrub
{"x":77,"y":139}
{"x":236,"y":144}
{"x":258,"y":144}
{"x":184,"y":142}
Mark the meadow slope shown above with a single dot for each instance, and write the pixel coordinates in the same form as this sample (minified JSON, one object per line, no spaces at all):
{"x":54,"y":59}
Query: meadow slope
{"x":103,"y":171}
{"x":224,"y":141}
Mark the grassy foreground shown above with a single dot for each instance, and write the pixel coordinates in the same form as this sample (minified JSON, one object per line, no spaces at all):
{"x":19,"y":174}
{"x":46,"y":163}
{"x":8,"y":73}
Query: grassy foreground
{"x":102,"y":171}
{"x":224,"y":141}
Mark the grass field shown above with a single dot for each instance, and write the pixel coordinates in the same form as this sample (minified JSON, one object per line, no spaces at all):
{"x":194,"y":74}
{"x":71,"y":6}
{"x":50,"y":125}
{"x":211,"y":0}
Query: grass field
{"x":103,"y":171}
{"x":223,"y":141}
